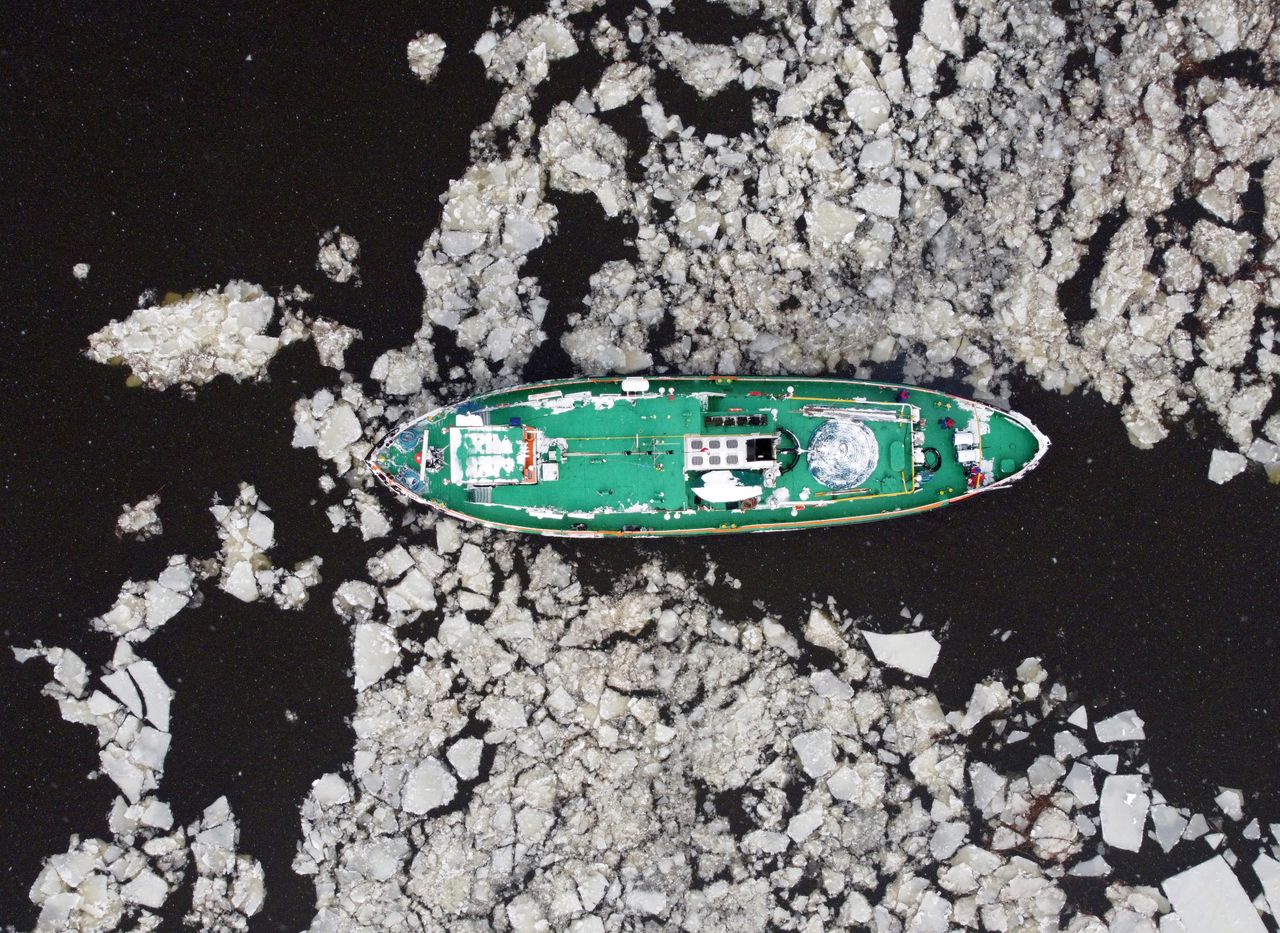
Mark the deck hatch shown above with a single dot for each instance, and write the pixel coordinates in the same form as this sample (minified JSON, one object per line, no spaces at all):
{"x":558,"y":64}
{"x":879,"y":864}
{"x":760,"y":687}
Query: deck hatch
{"x":738,"y":451}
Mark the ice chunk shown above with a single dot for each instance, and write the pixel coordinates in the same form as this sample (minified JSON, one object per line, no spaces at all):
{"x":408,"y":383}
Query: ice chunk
{"x":341,"y":430}
{"x":946,"y":839}
{"x":428,"y":786}
{"x":1208,"y":898}
{"x":913,"y":652}
{"x":803,"y":824}
{"x":240,"y":582}
{"x":1095,"y":867}
{"x":829,"y":223}
{"x":1169,"y":824}
{"x":155,"y":692}
{"x":939,"y":24}
{"x":1066,"y":745}
{"x":330,"y":789}
{"x":377,"y":650}
{"x":1226,"y":465}
{"x":147,"y":889}
{"x":1231,"y":802}
{"x":867,"y":107}
{"x":827,"y":684}
{"x":1268,"y":871}
{"x":464,"y":755}
{"x":643,"y":901}
{"x":80,"y":270}
{"x":119,"y":683}
{"x":140,"y":521}
{"x":882,"y":199}
{"x":338,"y":254}
{"x":815,"y":752}
{"x":1124,"y":807}
{"x":987,"y":698}
{"x":1080,"y":718}
{"x":706,"y":68}
{"x":1122,"y":727}
{"x":426,"y":52}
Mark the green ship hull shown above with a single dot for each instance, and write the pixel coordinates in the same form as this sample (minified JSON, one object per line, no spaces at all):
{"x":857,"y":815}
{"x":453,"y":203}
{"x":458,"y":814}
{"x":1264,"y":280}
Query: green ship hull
{"x":688,"y":455}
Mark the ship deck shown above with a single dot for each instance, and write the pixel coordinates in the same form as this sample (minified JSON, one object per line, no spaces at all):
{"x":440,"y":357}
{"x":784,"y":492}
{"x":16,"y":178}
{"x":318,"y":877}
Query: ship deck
{"x":622,"y":466}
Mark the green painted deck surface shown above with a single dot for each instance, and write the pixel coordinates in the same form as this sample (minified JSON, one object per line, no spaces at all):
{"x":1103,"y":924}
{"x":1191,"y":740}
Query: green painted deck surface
{"x":622,"y":467}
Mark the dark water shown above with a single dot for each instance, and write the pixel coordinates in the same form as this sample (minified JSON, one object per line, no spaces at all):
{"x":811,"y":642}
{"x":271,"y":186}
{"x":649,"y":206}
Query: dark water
{"x":150,"y":145}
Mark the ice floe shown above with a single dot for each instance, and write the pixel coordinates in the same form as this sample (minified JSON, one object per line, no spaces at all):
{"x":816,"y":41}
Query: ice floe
{"x":141,"y":608}
{"x":245,"y":571}
{"x":190,"y":340}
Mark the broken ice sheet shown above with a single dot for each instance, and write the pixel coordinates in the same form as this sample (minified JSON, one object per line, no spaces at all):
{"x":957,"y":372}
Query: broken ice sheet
{"x":1208,"y":898}
{"x":1123,"y":806}
{"x":913,"y":652}
{"x":193,"y":339}
{"x":1122,"y":727}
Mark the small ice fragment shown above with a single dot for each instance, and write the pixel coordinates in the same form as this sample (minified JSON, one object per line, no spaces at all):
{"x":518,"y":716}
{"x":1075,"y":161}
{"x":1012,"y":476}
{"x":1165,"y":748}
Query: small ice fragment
{"x":1209,"y":899}
{"x":913,"y":652}
{"x":80,"y":270}
{"x":140,"y":521}
{"x":428,"y":786}
{"x":1080,"y":718}
{"x":1124,"y":811}
{"x":1095,"y":867}
{"x":1122,"y":727}
{"x":1226,"y":465}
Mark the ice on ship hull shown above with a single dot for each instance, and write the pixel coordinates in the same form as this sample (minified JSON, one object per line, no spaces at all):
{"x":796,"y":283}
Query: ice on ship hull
{"x":702,"y":454}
